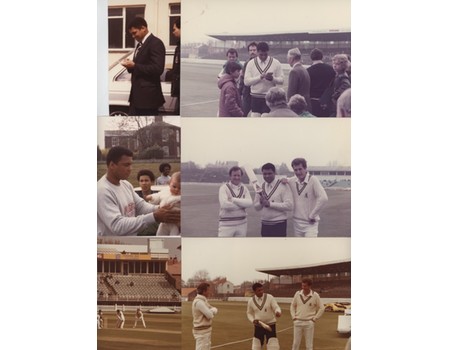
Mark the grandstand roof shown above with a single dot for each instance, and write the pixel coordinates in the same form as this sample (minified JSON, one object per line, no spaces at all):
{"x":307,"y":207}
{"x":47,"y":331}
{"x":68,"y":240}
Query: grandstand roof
{"x":129,"y":248}
{"x":287,"y":36}
{"x":322,"y":268}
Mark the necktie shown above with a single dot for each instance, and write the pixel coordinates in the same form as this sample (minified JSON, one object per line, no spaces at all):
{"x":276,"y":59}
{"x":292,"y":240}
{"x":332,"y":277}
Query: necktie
{"x":138,"y":47}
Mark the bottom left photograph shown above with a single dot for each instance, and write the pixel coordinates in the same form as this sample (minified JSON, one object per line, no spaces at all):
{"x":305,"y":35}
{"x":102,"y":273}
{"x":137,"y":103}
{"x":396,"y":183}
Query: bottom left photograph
{"x":138,"y":293}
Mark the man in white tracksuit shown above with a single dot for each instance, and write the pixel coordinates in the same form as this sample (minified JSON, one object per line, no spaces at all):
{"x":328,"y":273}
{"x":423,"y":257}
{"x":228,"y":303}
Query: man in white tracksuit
{"x":306,"y":309}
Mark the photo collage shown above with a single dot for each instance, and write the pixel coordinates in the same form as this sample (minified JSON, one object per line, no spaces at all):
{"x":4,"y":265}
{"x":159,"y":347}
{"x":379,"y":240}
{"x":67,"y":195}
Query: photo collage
{"x":224,"y":175}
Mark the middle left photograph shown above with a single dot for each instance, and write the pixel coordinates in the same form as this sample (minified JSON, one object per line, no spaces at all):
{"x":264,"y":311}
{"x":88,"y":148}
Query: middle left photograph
{"x":138,"y":176}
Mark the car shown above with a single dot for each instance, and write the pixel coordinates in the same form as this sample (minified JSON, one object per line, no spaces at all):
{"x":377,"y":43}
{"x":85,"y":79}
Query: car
{"x":338,"y":306}
{"x":120,"y":85}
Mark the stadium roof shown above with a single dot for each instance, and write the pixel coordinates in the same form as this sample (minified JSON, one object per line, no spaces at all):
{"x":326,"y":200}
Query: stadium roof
{"x":323,"y":268}
{"x":287,"y":36}
{"x":129,"y":248}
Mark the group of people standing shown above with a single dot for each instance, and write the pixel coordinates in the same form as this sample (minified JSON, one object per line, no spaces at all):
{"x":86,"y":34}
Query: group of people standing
{"x":262,"y":311}
{"x":254,"y":88}
{"x":302,"y":194}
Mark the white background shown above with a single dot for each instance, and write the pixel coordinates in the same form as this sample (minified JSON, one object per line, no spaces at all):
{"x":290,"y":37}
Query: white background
{"x":400,"y":194}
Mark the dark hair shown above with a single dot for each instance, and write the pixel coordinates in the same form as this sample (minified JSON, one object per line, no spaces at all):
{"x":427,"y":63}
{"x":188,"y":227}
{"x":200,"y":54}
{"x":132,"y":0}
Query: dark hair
{"x":316,"y":55}
{"x":251,"y":44}
{"x":256,"y":286}
{"x":138,"y":23}
{"x":115,"y":153}
{"x":262,"y":46}
{"x":308,"y":281}
{"x":163,"y":165}
{"x":298,"y":161}
{"x":146,"y":172}
{"x":232,"y":51}
{"x":178,"y":23}
{"x":231,"y":67}
{"x":268,"y":166}
{"x":202,"y":287}
{"x":235,"y":168}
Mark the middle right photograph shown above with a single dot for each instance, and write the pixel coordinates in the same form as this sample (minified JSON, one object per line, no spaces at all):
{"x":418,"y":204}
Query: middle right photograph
{"x":266,"y":178}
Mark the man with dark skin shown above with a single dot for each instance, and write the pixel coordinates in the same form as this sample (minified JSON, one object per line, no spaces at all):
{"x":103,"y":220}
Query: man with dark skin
{"x":120,"y":211}
{"x":146,"y":68}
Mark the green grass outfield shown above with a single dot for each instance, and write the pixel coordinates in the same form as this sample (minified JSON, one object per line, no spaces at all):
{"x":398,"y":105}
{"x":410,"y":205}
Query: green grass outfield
{"x":233,"y":331}
{"x":200,"y":213}
{"x":163,"y":332}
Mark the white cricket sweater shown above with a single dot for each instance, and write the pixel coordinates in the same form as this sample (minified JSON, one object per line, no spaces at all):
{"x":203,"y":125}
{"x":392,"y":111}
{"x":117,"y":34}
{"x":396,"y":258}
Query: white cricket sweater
{"x":259,"y":87}
{"x":306,"y":307}
{"x":281,"y":202}
{"x":263,"y":309}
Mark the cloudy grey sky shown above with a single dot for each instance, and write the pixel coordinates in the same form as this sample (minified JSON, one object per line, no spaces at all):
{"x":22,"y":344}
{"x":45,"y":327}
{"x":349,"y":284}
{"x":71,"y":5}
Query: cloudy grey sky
{"x":201,"y":17}
{"x":171,"y":243}
{"x":237,"y":258}
{"x":255,"y":141}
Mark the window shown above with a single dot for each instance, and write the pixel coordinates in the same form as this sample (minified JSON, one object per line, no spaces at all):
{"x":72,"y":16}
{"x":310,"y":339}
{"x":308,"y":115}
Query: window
{"x":165,"y":150}
{"x":175,"y":11}
{"x":118,"y":19}
{"x":165,"y":135}
{"x":114,"y":141}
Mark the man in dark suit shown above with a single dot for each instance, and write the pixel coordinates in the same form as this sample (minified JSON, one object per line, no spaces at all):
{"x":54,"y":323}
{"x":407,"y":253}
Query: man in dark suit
{"x":146,"y":68}
{"x":299,"y":81}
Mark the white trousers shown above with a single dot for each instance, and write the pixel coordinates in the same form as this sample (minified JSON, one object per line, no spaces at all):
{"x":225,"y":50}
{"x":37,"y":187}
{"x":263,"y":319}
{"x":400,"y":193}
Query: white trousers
{"x":305,"y":229}
{"x":202,"y":339}
{"x":233,"y":231}
{"x":120,"y":323}
{"x":136,"y":321}
{"x":303,"y":328}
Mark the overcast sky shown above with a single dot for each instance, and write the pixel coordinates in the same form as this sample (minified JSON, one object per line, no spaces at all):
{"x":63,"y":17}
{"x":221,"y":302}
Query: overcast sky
{"x":237,"y":258}
{"x":256,"y":141}
{"x":170,"y":243}
{"x":201,"y":17}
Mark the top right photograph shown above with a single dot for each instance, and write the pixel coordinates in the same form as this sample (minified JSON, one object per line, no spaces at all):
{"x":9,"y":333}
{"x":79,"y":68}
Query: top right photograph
{"x":266,"y":59}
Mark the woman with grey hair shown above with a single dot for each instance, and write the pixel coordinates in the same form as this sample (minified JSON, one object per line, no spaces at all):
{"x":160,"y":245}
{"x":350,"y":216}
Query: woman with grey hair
{"x":276,"y":100}
{"x":298,"y":105}
{"x":341,"y":81}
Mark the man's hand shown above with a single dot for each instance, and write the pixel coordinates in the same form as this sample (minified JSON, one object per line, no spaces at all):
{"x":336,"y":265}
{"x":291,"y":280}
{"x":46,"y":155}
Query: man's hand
{"x":127,"y":63}
{"x":168,"y":214}
{"x":278,"y":314}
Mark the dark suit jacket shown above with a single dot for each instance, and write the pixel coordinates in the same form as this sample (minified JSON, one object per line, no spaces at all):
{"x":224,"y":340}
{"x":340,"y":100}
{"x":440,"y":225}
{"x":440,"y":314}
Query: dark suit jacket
{"x":299,"y":83}
{"x":149,"y":62}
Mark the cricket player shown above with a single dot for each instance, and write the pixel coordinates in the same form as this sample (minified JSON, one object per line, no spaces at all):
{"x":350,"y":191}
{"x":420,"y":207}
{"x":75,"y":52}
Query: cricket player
{"x":274,"y":202}
{"x":234,"y":198}
{"x":202,"y":314}
{"x":306,"y":308}
{"x":139,"y":317}
{"x":309,"y":199}
{"x":120,"y":319}
{"x":263,"y":311}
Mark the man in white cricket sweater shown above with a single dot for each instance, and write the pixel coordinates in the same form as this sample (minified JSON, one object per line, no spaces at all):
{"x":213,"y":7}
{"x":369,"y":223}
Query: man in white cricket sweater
{"x":120,"y":210}
{"x":234,"y":198}
{"x":309,"y":199}
{"x":306,"y":309}
{"x":262,"y":73}
{"x":263,"y":307}
{"x":273,"y":202}
{"x":120,"y":319}
{"x":202,"y":314}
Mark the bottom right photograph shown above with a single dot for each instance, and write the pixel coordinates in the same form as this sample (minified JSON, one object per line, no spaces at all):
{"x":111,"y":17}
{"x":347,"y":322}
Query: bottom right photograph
{"x":271,"y":293}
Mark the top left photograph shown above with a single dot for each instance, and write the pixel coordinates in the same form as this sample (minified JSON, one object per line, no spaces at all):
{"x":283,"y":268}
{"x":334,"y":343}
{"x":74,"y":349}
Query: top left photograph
{"x":143,"y":58}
